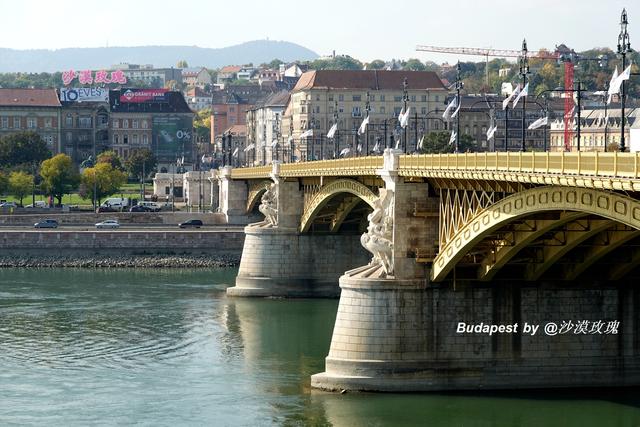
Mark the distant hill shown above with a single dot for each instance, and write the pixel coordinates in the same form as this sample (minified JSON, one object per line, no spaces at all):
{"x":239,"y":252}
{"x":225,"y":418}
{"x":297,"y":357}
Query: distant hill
{"x":256,"y":52}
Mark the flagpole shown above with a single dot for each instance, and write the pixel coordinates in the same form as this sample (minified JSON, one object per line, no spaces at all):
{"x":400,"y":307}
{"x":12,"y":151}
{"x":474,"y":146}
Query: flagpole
{"x":367,"y":108}
{"x":624,"y":47}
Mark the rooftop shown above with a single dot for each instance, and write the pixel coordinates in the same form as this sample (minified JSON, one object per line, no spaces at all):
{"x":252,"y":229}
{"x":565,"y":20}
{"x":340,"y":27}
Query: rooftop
{"x":368,"y":79}
{"x":29,"y":98}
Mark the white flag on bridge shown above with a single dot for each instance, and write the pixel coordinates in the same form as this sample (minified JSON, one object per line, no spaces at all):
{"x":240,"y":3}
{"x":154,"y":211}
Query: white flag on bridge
{"x":363,"y":126}
{"x":332,"y":131}
{"x":542,"y":121}
{"x":447,"y":111}
{"x":452,"y":139}
{"x":523,"y":92}
{"x":307,"y":134}
{"x":507,"y":100}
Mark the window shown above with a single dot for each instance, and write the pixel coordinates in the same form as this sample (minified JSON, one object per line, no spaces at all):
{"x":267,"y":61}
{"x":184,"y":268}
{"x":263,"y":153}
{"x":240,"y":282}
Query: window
{"x":31,"y":123}
{"x":316,"y":109}
{"x":85,"y":122}
{"x":423,"y":98}
{"x":5,"y":122}
{"x":413,"y":98}
{"x":397,"y":98}
{"x":232,"y":109}
{"x":116,"y":139}
{"x":318,"y":97}
{"x":116,"y":124}
{"x":48,"y":122}
{"x":396,"y":110}
{"x":49,"y":140}
{"x":69,"y":137}
{"x":125,"y":123}
{"x":381,"y":98}
{"x":381,"y":110}
{"x":372,"y":98}
{"x":125,"y":139}
{"x":437,"y":98}
{"x":423,"y":110}
{"x":340,"y":97}
{"x":330,"y":98}
{"x":330,"y":111}
{"x":145,"y":124}
{"x":357,"y":98}
{"x":355,"y":112}
{"x":145,"y":139}
{"x":135,"y":124}
{"x":16,"y":122}
{"x":135,"y":138}
{"x":341,"y":109}
{"x":68,"y":121}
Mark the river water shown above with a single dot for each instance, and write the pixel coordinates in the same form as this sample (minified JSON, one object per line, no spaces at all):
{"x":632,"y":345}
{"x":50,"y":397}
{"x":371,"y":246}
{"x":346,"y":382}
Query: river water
{"x":168,"y":348}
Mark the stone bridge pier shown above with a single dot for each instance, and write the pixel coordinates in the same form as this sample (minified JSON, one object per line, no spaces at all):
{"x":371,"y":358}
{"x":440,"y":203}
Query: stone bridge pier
{"x":278,"y":260}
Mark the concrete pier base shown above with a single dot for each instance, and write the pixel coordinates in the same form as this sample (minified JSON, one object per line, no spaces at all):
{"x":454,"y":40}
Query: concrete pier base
{"x":279,"y":262}
{"x":400,"y":336}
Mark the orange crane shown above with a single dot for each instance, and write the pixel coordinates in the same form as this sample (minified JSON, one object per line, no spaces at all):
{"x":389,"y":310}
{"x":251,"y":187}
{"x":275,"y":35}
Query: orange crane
{"x":507,"y":53}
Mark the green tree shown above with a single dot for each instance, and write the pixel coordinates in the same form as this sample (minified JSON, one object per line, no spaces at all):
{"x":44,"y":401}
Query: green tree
{"x":414,"y":64}
{"x":438,"y":142}
{"x":182,"y":64}
{"x":376,"y":64}
{"x":20,"y":184}
{"x":112,"y":158}
{"x":23,"y":148}
{"x":275,"y":64}
{"x":4,"y":183}
{"x":343,"y":62}
{"x":202,"y":125}
{"x":140,"y":160}
{"x":59,"y":176}
{"x":105,"y":179}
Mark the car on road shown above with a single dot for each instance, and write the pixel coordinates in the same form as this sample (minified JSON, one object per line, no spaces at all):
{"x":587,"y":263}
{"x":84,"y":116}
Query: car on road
{"x":101,"y":209}
{"x":140,"y":208}
{"x":191,"y":223}
{"x":47,"y":223}
{"x":109,"y":223}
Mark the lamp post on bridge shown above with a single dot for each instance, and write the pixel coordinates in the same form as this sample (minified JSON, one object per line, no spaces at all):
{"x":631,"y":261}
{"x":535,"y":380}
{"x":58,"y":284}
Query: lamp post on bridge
{"x":458,"y":85}
{"x":524,"y":71}
{"x":367,"y":108}
{"x":291,"y":141}
{"x":405,"y":99}
{"x":624,"y":47}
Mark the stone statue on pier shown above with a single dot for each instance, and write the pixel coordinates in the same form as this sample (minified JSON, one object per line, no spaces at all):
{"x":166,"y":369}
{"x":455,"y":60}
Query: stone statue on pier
{"x":269,"y":207}
{"x":379,"y":236}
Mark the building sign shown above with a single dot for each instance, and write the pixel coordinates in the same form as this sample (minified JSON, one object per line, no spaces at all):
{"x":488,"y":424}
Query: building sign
{"x":172,"y":137}
{"x":143,"y":95}
{"x":84,"y":94}
{"x":88,"y":77}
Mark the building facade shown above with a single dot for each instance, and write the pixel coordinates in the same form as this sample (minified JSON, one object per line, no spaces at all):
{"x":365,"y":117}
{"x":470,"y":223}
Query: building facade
{"x":196,"y":77}
{"x":153,"y":77}
{"x":320,"y":94}
{"x":264,"y":128}
{"x":35,"y":110}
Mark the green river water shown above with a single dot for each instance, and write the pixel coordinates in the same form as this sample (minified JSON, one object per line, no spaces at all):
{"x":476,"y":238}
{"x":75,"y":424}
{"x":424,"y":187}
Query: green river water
{"x":168,"y":348}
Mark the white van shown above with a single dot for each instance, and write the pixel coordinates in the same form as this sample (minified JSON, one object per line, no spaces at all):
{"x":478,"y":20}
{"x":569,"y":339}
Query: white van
{"x":118,"y":203}
{"x":155,"y":207}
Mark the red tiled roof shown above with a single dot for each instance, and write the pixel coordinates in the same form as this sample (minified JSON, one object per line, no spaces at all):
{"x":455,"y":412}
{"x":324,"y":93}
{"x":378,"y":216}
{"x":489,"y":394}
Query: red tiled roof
{"x":231,"y":69}
{"x":29,"y":98}
{"x":368,"y":79}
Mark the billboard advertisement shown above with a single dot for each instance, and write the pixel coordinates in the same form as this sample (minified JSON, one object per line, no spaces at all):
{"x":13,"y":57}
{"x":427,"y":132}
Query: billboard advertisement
{"x":84,"y":94}
{"x":143,"y":95}
{"x":172,"y":137}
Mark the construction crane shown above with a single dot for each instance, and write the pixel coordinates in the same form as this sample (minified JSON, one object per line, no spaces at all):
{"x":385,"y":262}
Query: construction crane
{"x":568,"y":61}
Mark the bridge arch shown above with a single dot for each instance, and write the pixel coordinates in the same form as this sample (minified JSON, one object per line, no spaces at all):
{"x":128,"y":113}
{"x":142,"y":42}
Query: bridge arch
{"x":256,"y":189}
{"x":327,"y":192}
{"x":608,"y":205}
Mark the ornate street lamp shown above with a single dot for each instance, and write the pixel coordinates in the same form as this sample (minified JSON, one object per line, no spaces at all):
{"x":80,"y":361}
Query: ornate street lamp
{"x":367,"y":108}
{"x":624,"y":47}
{"x":405,"y":99}
{"x":524,"y":71}
{"x":459,"y":86}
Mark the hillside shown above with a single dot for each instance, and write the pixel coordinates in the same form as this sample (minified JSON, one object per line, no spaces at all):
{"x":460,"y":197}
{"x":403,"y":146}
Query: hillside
{"x":259,"y":51}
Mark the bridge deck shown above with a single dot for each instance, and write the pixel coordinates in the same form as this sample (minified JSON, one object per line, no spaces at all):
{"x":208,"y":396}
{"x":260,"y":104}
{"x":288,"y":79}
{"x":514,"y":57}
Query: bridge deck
{"x":613,"y":171}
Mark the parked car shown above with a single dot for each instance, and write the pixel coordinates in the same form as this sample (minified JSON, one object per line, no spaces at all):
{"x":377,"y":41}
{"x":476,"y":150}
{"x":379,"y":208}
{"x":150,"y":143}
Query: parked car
{"x":39,"y":204}
{"x":140,"y":208}
{"x":152,"y":206}
{"x":191,"y":223}
{"x":47,"y":223}
{"x":109,"y":223}
{"x":8,"y":205}
{"x":106,"y":209}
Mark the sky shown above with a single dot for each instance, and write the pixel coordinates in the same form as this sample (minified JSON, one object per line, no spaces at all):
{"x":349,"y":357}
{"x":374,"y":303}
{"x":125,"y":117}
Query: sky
{"x":364,"y":30}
